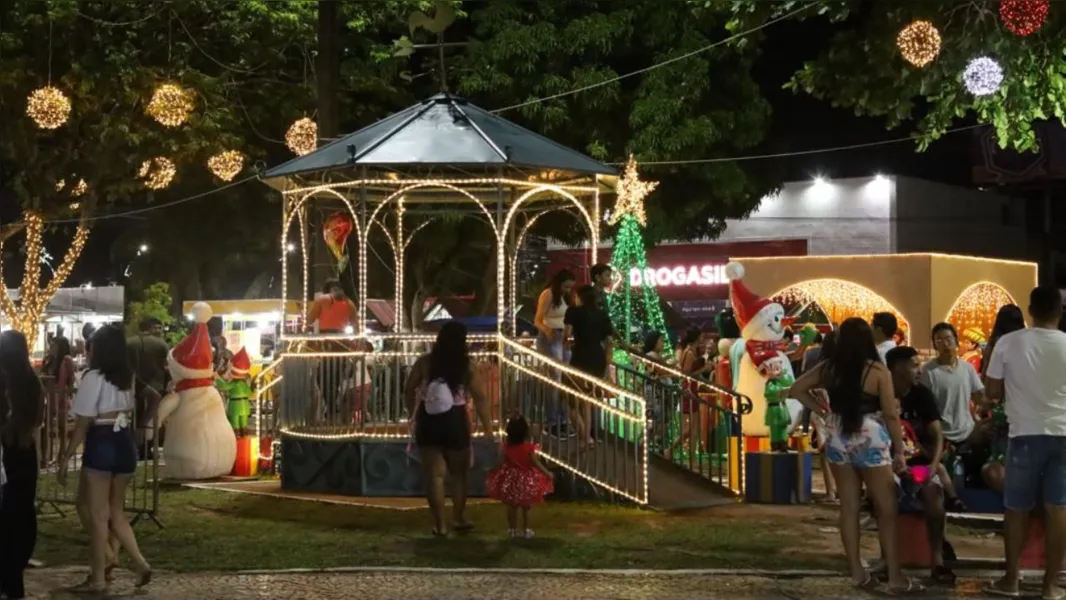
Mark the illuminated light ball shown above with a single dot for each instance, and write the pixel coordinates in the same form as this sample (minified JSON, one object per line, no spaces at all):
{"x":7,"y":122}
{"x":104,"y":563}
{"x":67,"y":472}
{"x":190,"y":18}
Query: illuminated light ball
{"x":157,"y":173}
{"x":171,"y":105}
{"x":919,"y":43}
{"x":302,"y":137}
{"x":982,"y":76}
{"x":48,"y":107}
{"x":1023,"y":17}
{"x":226,"y":165}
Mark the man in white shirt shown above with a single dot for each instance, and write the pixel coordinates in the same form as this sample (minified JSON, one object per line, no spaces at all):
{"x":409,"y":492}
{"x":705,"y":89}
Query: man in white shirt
{"x":885,"y":327}
{"x":1028,"y":367}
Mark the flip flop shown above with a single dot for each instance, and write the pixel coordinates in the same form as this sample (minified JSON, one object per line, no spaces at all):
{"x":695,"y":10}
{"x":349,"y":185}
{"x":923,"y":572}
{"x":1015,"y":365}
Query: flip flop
{"x":1058,"y":594}
{"x":143,"y":578}
{"x":993,"y":589}
{"x":913,"y":588}
{"x":869,"y":585}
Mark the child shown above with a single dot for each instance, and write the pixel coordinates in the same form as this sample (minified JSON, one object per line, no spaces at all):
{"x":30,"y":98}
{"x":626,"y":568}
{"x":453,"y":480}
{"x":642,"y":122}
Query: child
{"x":520,"y":480}
{"x":237,"y":390}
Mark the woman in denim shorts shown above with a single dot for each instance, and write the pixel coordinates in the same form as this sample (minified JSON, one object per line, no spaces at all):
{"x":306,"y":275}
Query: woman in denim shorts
{"x":104,"y":410}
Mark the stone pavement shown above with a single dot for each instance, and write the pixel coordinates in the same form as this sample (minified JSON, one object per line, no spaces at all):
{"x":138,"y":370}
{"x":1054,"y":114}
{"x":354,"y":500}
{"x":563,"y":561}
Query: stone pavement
{"x":421,"y":585}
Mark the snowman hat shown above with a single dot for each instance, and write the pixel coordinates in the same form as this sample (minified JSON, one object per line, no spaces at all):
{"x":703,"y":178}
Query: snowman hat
{"x":746,"y":304}
{"x":240,"y":363}
{"x":193,"y":355}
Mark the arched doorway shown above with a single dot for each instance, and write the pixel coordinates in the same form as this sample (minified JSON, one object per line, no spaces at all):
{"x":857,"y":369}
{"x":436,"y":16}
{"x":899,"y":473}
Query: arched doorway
{"x":828,"y":302}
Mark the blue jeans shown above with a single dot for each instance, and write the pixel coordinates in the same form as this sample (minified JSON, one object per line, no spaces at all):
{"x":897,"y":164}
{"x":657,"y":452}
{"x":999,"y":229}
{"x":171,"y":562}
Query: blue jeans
{"x":556,"y":412}
{"x":1035,"y":462}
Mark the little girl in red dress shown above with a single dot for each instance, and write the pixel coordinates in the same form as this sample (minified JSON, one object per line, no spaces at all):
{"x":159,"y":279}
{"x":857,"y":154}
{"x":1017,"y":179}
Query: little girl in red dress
{"x":520,"y":480}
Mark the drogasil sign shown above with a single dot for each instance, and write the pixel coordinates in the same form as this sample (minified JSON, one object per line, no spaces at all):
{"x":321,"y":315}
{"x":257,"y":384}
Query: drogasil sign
{"x":704,"y":275}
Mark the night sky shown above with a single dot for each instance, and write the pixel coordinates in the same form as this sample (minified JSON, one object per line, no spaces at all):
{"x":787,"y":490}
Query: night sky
{"x":786,"y":46}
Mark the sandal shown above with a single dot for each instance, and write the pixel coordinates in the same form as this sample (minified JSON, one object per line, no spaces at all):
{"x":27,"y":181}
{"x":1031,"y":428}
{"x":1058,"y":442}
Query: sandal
{"x":869,"y":584}
{"x":87,"y":587}
{"x":143,"y":578}
{"x":913,"y":588}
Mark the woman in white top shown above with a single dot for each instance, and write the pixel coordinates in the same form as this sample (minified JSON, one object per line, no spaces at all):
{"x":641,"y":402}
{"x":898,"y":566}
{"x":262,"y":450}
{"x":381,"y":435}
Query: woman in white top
{"x":103,"y":407}
{"x":549,"y":321}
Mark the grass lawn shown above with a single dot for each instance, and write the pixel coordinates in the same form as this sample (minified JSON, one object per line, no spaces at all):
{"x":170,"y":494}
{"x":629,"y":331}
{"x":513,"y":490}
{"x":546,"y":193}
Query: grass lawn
{"x":208,"y":530}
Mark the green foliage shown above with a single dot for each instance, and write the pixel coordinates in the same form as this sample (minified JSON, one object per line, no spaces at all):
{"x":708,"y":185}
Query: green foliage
{"x":157,"y":303}
{"x":862,"y":69}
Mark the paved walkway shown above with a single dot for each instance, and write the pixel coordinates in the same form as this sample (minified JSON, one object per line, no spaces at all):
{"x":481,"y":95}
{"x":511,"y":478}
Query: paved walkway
{"x":413,"y":585}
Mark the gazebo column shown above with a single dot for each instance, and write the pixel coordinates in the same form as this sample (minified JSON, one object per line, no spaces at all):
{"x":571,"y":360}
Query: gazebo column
{"x":360,"y":328}
{"x":398,"y":251}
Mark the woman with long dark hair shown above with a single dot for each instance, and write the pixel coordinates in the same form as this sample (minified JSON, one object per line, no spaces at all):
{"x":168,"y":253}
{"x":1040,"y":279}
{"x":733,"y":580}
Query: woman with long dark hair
{"x":1009,"y":319}
{"x":104,"y":409}
{"x":863,"y":441}
{"x":549,"y":321}
{"x":21,"y":415}
{"x":590,"y":326}
{"x":58,"y":368}
{"x":439,"y":391}
{"x":693,"y":364}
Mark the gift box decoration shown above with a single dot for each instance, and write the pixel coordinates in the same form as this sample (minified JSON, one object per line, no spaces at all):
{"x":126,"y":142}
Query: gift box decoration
{"x":756,"y":443}
{"x":778,"y":477}
{"x":266,"y":448}
{"x":247,"y":463}
{"x":799,"y":443}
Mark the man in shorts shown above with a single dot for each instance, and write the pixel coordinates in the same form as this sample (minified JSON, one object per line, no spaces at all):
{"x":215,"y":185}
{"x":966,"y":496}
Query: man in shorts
{"x":1028,"y":367}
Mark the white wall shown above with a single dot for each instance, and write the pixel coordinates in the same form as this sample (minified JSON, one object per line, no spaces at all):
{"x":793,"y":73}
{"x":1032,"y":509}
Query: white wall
{"x":843,"y":216}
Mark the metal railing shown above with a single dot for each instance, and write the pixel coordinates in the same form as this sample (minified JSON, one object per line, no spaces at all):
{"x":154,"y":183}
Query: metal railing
{"x":694,"y":424}
{"x":142,"y":495}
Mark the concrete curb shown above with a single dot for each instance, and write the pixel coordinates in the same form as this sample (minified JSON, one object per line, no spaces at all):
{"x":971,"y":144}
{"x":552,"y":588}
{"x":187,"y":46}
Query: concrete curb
{"x":798,"y":573}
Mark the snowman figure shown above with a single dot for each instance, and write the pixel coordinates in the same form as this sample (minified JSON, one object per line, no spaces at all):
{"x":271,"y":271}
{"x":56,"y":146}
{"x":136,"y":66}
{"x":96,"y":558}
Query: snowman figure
{"x":763,"y":371}
{"x":200,"y":444}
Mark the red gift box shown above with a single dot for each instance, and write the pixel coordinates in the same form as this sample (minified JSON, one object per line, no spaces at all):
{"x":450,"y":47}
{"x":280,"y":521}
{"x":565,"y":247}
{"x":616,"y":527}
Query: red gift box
{"x":247,"y":463}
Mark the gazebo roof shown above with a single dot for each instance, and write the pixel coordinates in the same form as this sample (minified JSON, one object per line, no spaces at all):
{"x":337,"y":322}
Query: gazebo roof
{"x":441,"y":131}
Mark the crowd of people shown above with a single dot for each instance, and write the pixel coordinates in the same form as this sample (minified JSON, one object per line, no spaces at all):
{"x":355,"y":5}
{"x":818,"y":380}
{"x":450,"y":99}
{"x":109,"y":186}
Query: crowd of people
{"x":890,"y":424}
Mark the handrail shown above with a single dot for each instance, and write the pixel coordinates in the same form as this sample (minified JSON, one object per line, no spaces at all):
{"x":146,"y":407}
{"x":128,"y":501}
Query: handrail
{"x":675,"y":387}
{"x":572,"y":372}
{"x":744,"y":402}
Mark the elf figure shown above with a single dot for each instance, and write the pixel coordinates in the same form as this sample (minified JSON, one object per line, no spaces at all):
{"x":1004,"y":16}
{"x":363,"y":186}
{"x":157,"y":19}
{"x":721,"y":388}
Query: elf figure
{"x":236,"y":385}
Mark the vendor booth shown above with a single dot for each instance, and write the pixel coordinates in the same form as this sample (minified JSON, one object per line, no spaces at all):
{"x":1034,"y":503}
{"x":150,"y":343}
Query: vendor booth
{"x":920,"y":289}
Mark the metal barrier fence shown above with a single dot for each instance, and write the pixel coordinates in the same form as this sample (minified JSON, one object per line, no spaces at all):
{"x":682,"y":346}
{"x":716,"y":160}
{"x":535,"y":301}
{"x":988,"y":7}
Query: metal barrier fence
{"x":142,"y":495}
{"x":701,"y":432}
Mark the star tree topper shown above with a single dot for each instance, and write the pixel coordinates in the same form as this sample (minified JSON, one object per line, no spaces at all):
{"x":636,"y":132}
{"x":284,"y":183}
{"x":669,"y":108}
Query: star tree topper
{"x":631,"y":192}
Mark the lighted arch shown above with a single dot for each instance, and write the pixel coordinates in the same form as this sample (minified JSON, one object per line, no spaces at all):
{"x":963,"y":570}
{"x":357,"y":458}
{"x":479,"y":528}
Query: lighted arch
{"x":976,"y":307}
{"x":840,"y":299}
{"x":399,"y":194}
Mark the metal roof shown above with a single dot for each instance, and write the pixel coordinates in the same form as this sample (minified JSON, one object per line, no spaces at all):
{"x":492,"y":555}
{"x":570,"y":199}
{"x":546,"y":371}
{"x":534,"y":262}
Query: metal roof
{"x":443,"y":130}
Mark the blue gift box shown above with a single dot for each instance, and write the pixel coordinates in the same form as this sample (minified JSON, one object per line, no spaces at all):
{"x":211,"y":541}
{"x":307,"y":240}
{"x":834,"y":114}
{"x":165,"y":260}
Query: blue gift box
{"x":778,"y":477}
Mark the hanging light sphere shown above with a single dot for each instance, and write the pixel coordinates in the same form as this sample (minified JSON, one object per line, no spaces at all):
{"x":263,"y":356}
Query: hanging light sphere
{"x":48,"y":107}
{"x":919,"y":43}
{"x":157,"y":173}
{"x":226,"y":165}
{"x":171,"y":105}
{"x":79,"y":188}
{"x":1023,"y":17}
{"x":982,"y":76}
{"x":302,"y":137}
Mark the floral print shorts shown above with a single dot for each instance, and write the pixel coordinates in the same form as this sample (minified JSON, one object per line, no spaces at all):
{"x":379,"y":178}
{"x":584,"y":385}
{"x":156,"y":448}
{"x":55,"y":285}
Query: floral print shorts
{"x":870,"y":447}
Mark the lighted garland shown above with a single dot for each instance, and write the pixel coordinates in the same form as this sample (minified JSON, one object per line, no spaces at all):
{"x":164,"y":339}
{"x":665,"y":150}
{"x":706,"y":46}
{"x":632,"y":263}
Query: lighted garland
{"x":976,"y":307}
{"x":982,"y":76}
{"x":919,"y":43}
{"x":171,"y":105}
{"x":838,"y":299}
{"x":226,"y":165}
{"x":302,"y":137}
{"x":1024,"y":17}
{"x":78,"y":190}
{"x":157,"y":173}
{"x":48,"y":107}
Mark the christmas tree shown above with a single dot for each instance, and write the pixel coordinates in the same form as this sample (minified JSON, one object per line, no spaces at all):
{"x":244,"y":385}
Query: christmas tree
{"x":634,"y":304}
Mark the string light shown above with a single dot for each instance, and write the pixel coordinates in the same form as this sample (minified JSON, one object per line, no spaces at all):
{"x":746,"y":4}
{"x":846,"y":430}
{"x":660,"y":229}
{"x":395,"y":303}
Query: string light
{"x":1023,"y":17}
{"x":157,"y":173}
{"x":631,"y":194}
{"x":919,"y":43}
{"x":48,"y":107}
{"x":226,"y":165}
{"x":407,"y":184}
{"x":982,"y":76}
{"x":302,"y":137}
{"x":171,"y":105}
{"x":839,"y":299}
{"x":976,"y":307}
{"x":79,"y":188}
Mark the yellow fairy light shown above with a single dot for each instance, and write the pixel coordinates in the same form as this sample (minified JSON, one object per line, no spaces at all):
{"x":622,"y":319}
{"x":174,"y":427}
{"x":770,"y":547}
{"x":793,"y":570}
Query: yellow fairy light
{"x":631,"y":193}
{"x":919,"y":43}
{"x":78,"y":190}
{"x":302,"y":137}
{"x":171,"y":105}
{"x":976,"y":307}
{"x":48,"y":107}
{"x":157,"y":173}
{"x":226,"y":165}
{"x":839,"y":299}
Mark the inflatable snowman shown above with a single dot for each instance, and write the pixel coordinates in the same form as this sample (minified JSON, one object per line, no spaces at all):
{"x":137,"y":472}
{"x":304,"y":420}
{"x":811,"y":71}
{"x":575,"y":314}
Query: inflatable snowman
{"x":761,"y":368}
{"x":199,"y":444}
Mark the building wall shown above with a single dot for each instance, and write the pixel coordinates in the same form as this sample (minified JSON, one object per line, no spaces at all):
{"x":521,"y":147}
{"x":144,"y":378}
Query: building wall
{"x":844,"y":216}
{"x":934,"y":217}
